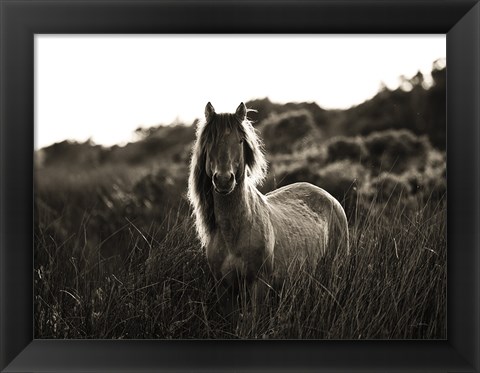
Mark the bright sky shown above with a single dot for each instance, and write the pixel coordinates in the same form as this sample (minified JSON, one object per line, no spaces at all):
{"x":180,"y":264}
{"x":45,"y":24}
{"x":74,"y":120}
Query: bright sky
{"x":104,"y":87}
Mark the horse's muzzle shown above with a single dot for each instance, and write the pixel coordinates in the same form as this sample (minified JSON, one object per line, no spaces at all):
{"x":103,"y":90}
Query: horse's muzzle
{"x":223,"y":183}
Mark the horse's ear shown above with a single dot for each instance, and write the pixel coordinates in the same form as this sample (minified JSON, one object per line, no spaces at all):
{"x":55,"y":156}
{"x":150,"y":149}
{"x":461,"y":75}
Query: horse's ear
{"x":241,"y":112}
{"x":209,"y":112}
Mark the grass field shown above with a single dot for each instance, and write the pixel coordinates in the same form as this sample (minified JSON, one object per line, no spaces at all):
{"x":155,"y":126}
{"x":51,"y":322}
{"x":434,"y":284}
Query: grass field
{"x":105,"y":268}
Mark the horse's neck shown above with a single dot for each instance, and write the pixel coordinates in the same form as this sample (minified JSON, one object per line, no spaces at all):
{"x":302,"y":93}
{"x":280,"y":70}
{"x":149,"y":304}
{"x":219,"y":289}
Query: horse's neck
{"x":234,"y":210}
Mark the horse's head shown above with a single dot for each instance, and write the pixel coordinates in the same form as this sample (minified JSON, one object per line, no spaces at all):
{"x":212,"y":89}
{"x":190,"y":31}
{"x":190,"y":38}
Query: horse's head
{"x":227,"y":150}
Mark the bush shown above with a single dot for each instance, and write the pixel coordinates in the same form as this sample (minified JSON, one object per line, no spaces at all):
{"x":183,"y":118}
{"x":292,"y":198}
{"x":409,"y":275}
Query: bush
{"x":388,"y":187}
{"x":346,"y":148}
{"x":396,"y":151}
{"x":432,"y":182}
{"x":296,"y":172}
{"x":282,"y":132}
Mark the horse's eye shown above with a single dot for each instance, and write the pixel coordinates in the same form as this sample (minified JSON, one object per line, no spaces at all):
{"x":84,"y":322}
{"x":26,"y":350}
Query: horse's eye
{"x":241,"y":141}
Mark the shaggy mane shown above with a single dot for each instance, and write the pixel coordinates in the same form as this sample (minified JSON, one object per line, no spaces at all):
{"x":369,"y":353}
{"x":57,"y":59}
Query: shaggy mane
{"x":200,"y":193}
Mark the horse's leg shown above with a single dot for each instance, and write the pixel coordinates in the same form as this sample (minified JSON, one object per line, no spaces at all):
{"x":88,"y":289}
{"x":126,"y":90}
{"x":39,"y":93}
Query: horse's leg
{"x":227,"y":301}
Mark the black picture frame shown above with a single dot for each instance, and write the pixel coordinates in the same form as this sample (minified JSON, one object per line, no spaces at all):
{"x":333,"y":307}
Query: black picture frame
{"x":20,"y":20}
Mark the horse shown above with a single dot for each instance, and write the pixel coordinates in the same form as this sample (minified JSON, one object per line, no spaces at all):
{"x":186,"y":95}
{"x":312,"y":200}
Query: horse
{"x":247,"y":235}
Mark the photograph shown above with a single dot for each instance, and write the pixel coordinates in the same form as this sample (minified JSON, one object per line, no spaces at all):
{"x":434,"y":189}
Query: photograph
{"x":264,"y":187}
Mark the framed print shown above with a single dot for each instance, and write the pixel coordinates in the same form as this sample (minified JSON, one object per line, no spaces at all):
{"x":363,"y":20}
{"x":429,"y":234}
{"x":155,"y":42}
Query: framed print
{"x":163,"y":251}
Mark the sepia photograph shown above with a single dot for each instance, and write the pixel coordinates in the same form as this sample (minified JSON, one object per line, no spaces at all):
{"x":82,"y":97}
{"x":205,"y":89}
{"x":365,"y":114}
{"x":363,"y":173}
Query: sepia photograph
{"x":240,"y":187}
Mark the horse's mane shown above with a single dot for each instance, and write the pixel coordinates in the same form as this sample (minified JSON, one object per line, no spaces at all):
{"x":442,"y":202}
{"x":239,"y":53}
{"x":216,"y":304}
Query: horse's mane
{"x":200,"y":191}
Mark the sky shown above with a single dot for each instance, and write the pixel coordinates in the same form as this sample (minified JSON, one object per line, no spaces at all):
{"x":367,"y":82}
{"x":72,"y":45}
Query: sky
{"x":103,"y":87}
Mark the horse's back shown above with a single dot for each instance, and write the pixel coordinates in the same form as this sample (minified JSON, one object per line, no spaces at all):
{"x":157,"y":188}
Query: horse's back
{"x":317,"y":198}
{"x":302,"y":190}
{"x":321,"y":203}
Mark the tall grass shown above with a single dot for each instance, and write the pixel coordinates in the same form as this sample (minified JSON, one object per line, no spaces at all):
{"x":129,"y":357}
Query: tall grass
{"x":392,"y":285}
